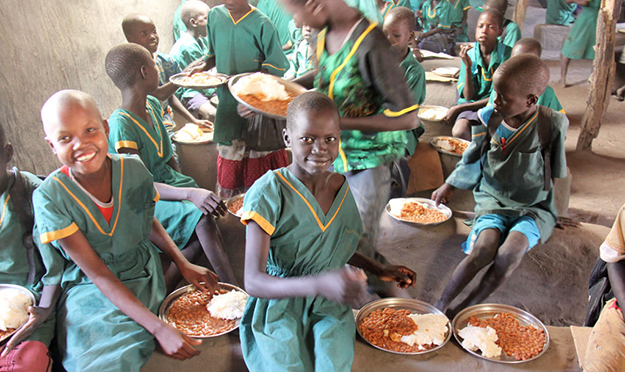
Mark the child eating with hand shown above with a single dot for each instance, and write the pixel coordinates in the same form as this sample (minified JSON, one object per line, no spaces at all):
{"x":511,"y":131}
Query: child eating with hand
{"x":516,"y":152}
{"x":96,"y":213}
{"x":511,"y":32}
{"x":303,"y":226}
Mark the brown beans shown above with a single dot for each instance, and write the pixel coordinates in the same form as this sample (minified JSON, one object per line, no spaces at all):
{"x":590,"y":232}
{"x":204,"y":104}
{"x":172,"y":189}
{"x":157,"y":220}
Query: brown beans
{"x":236,"y":205}
{"x":385,"y":327}
{"x":516,"y":340}
{"x":188,"y":313}
{"x":416,"y":212}
{"x":275,"y":107}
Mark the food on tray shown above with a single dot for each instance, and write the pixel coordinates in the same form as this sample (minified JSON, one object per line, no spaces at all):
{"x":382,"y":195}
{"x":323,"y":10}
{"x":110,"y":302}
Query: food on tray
{"x":14,"y":305}
{"x":413,"y":211}
{"x":236,"y":207}
{"x":264,"y":93}
{"x":446,"y":71}
{"x":402,"y":331}
{"x":189,"y":314}
{"x":451,"y":144}
{"x":484,"y":339}
{"x":192,"y":133}
{"x":200,"y":79}
{"x":516,"y":340}
{"x":432,"y":113}
{"x":228,"y":305}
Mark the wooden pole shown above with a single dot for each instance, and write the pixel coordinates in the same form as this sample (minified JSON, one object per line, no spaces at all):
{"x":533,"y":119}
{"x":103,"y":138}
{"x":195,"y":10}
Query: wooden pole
{"x":604,"y":68}
{"x":519,"y":12}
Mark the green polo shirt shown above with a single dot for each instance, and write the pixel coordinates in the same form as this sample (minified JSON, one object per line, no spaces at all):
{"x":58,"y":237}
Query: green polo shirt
{"x":482,"y":75}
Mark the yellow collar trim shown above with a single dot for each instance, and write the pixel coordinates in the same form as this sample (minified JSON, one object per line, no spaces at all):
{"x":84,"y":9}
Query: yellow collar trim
{"x":240,"y":19}
{"x":4,"y":208}
{"x":518,"y":132}
{"x":159,"y":149}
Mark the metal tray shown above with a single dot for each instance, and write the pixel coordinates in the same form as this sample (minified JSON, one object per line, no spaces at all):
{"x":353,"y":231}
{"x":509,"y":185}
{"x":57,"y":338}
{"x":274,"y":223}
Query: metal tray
{"x":484,"y":311}
{"x":448,"y":72}
{"x":292,"y":88}
{"x":208,"y":139}
{"x":431,"y":203}
{"x":415,"y":306}
{"x":434,"y":143}
{"x":177,"y":80}
{"x":6,"y":337}
{"x":164,"y":308}
{"x":232,"y":200}
{"x":428,"y":107}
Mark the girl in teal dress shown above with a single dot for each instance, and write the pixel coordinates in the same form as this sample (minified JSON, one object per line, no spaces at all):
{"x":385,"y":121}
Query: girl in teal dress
{"x":302,"y":228}
{"x":95,"y":220}
{"x":580,"y":42}
{"x":136,"y":128}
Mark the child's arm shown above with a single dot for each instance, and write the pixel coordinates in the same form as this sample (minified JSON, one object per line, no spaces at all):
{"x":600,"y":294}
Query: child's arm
{"x":616,"y":275}
{"x":468,"y":91}
{"x":452,"y":113}
{"x":165,"y":91}
{"x":206,"y":200}
{"x":343,"y":286}
{"x":178,"y":107}
{"x":172,"y":341}
{"x":401,"y":274}
{"x":443,"y":193}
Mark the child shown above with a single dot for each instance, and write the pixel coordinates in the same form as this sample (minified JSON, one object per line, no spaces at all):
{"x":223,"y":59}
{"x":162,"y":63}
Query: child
{"x":560,"y":12}
{"x":280,"y":19}
{"x":97,"y":214}
{"x":191,"y":46}
{"x":368,"y":8}
{"x":302,"y":228}
{"x":386,"y":6}
{"x":515,"y":154}
{"x":302,"y":60}
{"x":479,"y":63}
{"x":581,"y":40}
{"x":237,"y":26}
{"x":140,"y":29}
{"x":20,"y":264}
{"x":136,"y":128}
{"x":511,"y":31}
{"x":458,"y":13}
{"x":375,"y":104}
{"x":435,"y":19}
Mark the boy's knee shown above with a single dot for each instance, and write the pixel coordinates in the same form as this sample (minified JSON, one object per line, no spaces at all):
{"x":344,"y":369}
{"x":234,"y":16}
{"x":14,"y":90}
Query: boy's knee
{"x":509,"y":257}
{"x":483,"y":253}
{"x":461,"y":129}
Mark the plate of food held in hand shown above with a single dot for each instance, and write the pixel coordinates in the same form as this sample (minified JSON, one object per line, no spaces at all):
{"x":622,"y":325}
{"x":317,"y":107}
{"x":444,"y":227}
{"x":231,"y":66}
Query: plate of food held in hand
{"x":448,"y":72}
{"x":500,"y":333}
{"x":235,"y":205}
{"x":449,"y":145}
{"x":263,"y":93}
{"x":200,"y":315}
{"x":199,"y":80}
{"x":419,"y":211}
{"x":432,"y":113}
{"x":193,"y":134}
{"x":14,"y":303}
{"x":403,"y":326}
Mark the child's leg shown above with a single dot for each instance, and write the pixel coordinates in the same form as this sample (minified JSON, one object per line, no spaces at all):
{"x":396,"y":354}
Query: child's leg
{"x":210,"y":238}
{"x":564,"y":68}
{"x":230,"y":169}
{"x":462,"y":129}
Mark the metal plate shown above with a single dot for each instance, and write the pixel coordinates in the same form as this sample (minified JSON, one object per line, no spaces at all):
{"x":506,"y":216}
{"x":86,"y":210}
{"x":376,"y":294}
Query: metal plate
{"x":415,"y":306}
{"x":207,"y":139}
{"x":178,"y":80}
{"x":232,"y":200}
{"x":164,"y":308}
{"x":292,"y":88}
{"x":484,"y":311}
{"x":434,"y":143}
{"x":448,"y":72}
{"x":214,"y":100}
{"x":424,"y":108}
{"x":4,"y":338}
{"x":431,"y":204}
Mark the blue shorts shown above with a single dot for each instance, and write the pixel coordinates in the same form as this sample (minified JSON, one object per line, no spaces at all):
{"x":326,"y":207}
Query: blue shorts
{"x":525,"y":225}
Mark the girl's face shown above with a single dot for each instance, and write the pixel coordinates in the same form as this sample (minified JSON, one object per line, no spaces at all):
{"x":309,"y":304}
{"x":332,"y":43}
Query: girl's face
{"x":311,"y":12}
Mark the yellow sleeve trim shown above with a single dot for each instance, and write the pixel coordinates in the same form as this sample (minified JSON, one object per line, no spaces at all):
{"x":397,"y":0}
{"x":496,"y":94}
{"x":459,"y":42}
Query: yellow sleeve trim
{"x":157,"y":197}
{"x":394,"y":114}
{"x":51,"y":236}
{"x":270,"y":65}
{"x":562,"y":111}
{"x":479,"y":134}
{"x":126,"y":144}
{"x":467,"y":7}
{"x":260,"y":220}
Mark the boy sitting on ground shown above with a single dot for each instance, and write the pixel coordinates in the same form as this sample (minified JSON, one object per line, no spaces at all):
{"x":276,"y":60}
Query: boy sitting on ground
{"x":516,"y":152}
{"x":511,"y":31}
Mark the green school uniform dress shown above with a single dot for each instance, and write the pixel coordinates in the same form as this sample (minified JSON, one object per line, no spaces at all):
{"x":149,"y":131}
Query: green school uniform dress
{"x":92,"y":333}
{"x":560,"y":13}
{"x":509,"y":179}
{"x":512,"y":33}
{"x":368,"y":8}
{"x":416,"y":4}
{"x":456,"y":14}
{"x":390,"y":4}
{"x":128,"y":130}
{"x":250,"y":44}
{"x":300,"y":334}
{"x":580,"y":42}
{"x":482,"y":75}
{"x":279,"y":17}
{"x":302,"y":61}
{"x":14,"y":261}
{"x":295,"y":33}
{"x":437,"y":16}
{"x":415,"y":78}
{"x":548,"y":99}
{"x":363,"y":81}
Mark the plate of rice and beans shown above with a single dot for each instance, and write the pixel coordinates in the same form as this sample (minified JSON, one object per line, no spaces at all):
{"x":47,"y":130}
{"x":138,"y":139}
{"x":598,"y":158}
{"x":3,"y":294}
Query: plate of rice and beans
{"x":14,"y":303}
{"x":418,"y":211}
{"x":263,"y":93}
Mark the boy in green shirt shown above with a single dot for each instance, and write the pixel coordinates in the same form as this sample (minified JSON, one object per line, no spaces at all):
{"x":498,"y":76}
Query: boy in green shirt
{"x":280,"y":19}
{"x":435,"y":19}
{"x":511,"y":31}
{"x":458,"y":18}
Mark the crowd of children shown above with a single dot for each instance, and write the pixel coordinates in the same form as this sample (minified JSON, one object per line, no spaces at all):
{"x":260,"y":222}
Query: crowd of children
{"x":104,"y":238}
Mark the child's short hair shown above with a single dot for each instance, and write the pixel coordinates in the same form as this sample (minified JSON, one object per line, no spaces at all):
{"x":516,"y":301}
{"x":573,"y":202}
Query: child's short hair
{"x":499,"y":18}
{"x":500,"y":5}
{"x":191,"y":10}
{"x":404,"y":15}
{"x":528,"y":72}
{"x":123,"y":61}
{"x":309,"y":101}
{"x":129,"y":22}
{"x":530,"y":44}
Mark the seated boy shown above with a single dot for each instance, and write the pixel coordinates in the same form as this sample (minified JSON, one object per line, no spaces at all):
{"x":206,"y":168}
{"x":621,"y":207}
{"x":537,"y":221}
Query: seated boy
{"x":436,"y":36}
{"x":511,"y":31}
{"x":258,"y":48}
{"x":185,"y":210}
{"x":479,"y":63}
{"x":20,"y":264}
{"x":458,"y":13}
{"x":191,"y":46}
{"x":516,"y":152}
{"x":303,"y":56}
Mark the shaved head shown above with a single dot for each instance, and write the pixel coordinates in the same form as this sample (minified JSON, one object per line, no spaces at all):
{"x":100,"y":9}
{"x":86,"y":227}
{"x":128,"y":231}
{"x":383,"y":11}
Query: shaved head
{"x":527,"y":72}
{"x":62,"y":103}
{"x":133,"y":20}
{"x":403,"y":15}
{"x":124,"y":61}
{"x":527,"y":45}
{"x":192,"y":10}
{"x":497,"y":16}
{"x":309,"y":102}
{"x":500,"y":5}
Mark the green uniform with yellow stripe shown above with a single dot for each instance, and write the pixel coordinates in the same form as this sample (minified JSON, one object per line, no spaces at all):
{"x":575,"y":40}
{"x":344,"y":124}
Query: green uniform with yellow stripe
{"x":548,"y":99}
{"x":415,"y":78}
{"x":456,"y":15}
{"x":127,"y":130}
{"x":391,"y":4}
{"x":368,"y":8}
{"x":436,"y":16}
{"x":482,"y":75}
{"x":92,"y":333}
{"x":250,"y":44}
{"x":306,"y":333}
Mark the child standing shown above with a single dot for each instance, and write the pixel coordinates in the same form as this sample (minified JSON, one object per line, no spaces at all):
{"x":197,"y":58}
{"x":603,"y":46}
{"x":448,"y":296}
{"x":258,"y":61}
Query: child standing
{"x":96,"y":214}
{"x":302,"y":228}
{"x":510,"y":164}
{"x":511,"y":31}
{"x":185,"y":210}
{"x":581,"y":40}
{"x":21,"y":264}
{"x":280,"y":19}
{"x":241,"y":39}
{"x":560,"y":12}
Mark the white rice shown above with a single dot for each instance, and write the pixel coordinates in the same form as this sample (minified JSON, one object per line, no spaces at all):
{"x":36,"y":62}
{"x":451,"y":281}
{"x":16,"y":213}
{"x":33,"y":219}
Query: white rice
{"x":480,"y":338}
{"x":13,"y":308}
{"x":228,"y":305}
{"x":262,"y":85}
{"x":432,"y":330}
{"x":432,"y":114}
